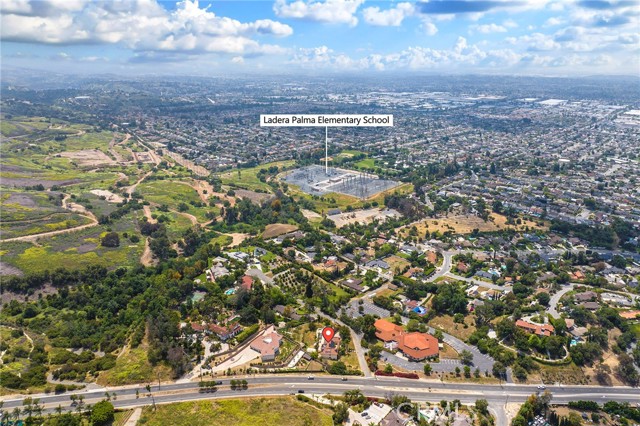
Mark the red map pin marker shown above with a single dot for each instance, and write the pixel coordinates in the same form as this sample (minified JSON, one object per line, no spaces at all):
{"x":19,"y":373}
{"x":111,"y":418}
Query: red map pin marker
{"x":328,"y":333}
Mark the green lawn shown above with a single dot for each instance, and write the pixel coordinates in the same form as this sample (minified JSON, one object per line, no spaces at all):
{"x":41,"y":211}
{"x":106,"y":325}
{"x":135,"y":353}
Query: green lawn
{"x":285,"y":411}
{"x":248,"y":178}
{"x":367,"y":163}
{"x":167,"y":192}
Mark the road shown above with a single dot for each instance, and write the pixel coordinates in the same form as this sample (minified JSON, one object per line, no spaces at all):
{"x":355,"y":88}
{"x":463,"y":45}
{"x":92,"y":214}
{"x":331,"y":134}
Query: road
{"x":553,"y":302}
{"x":475,"y":281}
{"x":416,"y":390}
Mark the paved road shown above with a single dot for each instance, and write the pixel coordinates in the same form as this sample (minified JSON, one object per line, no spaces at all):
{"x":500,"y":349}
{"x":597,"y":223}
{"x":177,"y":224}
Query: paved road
{"x":553,"y":302}
{"x":416,"y":390}
{"x":476,"y":282}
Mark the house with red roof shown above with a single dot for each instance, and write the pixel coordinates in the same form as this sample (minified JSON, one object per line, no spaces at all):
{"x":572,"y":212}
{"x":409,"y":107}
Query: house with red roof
{"x":540,"y":330}
{"x":416,"y":346}
{"x":246,"y":283}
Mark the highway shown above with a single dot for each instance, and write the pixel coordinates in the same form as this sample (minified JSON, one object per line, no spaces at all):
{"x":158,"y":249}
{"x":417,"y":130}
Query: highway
{"x":416,"y":390}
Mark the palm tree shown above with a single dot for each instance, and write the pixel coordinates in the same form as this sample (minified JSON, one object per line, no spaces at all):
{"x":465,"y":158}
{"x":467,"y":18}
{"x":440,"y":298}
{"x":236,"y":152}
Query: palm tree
{"x":16,"y":413}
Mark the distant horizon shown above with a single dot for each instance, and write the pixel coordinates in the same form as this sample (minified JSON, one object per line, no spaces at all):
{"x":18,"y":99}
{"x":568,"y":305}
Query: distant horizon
{"x":191,"y":37}
{"x":311,"y":73}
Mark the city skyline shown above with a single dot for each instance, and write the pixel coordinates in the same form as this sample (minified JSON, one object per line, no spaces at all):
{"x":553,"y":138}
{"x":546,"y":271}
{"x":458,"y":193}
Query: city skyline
{"x":535,"y":37}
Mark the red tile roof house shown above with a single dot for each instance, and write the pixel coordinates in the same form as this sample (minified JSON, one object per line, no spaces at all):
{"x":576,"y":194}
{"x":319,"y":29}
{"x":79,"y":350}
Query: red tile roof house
{"x":225,"y":332}
{"x":540,"y":330}
{"x":416,"y":346}
{"x":268,"y":345}
{"x":329,"y":350}
{"x":246,"y":283}
{"x":387,"y":331}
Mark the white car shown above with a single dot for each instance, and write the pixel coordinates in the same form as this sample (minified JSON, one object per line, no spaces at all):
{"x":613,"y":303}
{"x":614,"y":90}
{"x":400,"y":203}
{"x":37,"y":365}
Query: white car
{"x":542,"y":387}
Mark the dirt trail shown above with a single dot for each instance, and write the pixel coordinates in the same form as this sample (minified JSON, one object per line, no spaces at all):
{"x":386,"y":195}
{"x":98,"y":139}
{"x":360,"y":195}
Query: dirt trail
{"x":147,"y":255}
{"x":133,"y":187}
{"x":192,"y":218}
{"x":147,"y":213}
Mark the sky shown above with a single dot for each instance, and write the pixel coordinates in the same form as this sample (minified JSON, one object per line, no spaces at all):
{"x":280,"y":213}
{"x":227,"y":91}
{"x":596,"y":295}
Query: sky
{"x":190,"y":37}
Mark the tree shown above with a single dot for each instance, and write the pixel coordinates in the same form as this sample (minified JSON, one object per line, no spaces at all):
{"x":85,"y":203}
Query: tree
{"x":482,"y":406}
{"x":428,"y":369}
{"x":341,"y":414}
{"x":466,"y":357}
{"x":110,"y":239}
{"x":543,"y":299}
{"x":102,"y":413}
{"x":499,"y":370}
{"x":388,"y":369}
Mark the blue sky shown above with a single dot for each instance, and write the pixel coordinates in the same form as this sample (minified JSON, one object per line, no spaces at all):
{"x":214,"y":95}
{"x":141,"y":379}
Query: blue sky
{"x":523,"y":37}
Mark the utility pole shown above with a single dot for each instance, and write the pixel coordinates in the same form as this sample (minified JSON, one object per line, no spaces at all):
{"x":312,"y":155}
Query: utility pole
{"x":326,"y":150}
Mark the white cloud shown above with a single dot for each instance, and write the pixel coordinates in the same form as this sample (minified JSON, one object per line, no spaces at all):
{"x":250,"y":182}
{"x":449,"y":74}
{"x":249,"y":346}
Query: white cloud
{"x":429,"y":28}
{"x":142,"y":25}
{"x":488,"y":28}
{"x":554,"y":21}
{"x":330,"y":11}
{"x":392,"y":17}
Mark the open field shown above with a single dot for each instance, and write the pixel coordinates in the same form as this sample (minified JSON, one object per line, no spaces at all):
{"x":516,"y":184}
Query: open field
{"x":283,"y":411}
{"x":446,"y":323}
{"x":88,"y":158}
{"x":167,"y":192}
{"x":466,"y":224}
{"x":396,"y":263}
{"x":75,"y":250}
{"x":362,"y":216}
{"x":52,"y":222}
{"x":275,"y":229}
{"x":248,"y":178}
{"x":132,"y":366}
{"x":174,"y":193}
{"x":255,"y":197}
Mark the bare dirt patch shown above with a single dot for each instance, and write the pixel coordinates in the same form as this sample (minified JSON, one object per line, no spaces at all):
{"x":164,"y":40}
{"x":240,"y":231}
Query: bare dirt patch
{"x":237,"y":238}
{"x":255,"y":197}
{"x":275,"y":229}
{"x":465,"y":224}
{"x":108,"y":195}
{"x":310,"y":214}
{"x":88,"y":157}
{"x":86,"y":248}
{"x":362,"y":216}
{"x":6,"y":270}
{"x":21,"y":199}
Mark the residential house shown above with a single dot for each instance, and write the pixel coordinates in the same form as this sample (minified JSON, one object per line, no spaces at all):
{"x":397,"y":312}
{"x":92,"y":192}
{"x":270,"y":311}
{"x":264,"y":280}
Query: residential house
{"x":416,"y":346}
{"x":353,"y":284}
{"x":268,"y":345}
{"x":329,"y":350}
{"x":585,"y":297}
{"x":540,"y":330}
{"x":225,"y":332}
{"x":592,"y":306}
{"x":217,"y":271}
{"x":287,"y":311}
{"x":246,"y":282}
